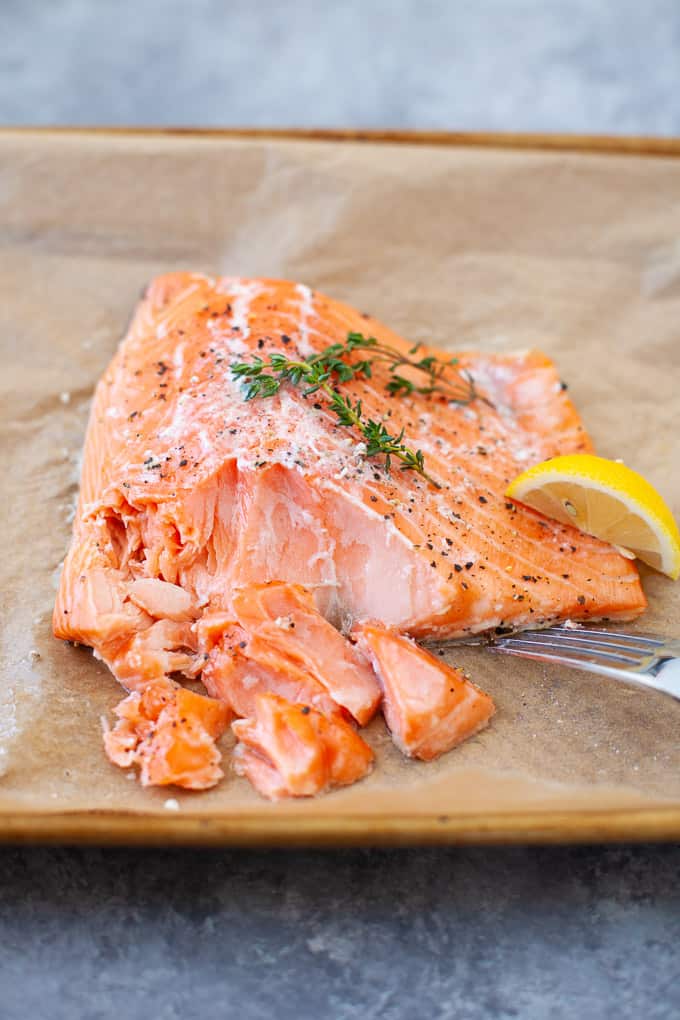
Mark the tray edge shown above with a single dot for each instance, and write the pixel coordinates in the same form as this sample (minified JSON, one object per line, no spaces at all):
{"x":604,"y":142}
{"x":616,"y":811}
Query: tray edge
{"x":557,"y":142}
{"x":104,"y":828}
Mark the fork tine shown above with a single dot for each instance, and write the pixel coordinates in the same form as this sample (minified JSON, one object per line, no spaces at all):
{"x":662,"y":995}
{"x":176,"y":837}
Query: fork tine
{"x":643,"y":638}
{"x":605,"y":641}
{"x":565,"y":649}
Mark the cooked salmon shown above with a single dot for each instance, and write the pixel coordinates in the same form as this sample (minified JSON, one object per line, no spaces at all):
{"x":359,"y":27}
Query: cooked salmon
{"x":286,"y":629}
{"x":236,"y":668}
{"x":191,"y":496}
{"x":170,"y":733}
{"x":291,"y":750}
{"x":429,"y":707}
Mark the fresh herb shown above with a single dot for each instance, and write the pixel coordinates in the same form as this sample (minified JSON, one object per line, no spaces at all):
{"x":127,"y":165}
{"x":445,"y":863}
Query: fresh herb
{"x":323,"y":372}
{"x":460,"y":390}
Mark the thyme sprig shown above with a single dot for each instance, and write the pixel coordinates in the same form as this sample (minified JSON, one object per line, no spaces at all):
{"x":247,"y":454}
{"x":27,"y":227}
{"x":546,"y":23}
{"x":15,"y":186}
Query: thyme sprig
{"x":325,"y":371}
{"x":459,"y":391}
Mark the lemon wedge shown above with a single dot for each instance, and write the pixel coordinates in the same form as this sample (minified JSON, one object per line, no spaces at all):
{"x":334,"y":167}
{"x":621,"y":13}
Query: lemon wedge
{"x":606,"y":499}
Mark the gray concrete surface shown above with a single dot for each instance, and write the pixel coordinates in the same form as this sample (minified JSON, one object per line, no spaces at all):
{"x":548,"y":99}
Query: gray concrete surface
{"x":438,"y":934}
{"x":560,"y":65}
{"x":432,"y":934}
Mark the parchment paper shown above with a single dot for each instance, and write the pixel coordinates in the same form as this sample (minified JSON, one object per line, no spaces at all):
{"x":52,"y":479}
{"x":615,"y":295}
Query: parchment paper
{"x":578,"y":255}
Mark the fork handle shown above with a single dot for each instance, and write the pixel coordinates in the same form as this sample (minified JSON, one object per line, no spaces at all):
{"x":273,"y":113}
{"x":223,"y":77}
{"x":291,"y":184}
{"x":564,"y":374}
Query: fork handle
{"x":667,"y":678}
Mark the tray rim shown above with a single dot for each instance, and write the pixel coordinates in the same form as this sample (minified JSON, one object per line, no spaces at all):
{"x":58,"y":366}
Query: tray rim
{"x":617,"y":145}
{"x":122,"y":828}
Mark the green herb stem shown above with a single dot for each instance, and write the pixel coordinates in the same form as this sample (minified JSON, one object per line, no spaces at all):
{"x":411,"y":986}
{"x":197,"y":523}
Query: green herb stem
{"x":327,"y":370}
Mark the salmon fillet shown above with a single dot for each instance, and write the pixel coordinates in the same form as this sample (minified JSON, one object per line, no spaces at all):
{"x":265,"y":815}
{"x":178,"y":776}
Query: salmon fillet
{"x":191,"y":496}
{"x":185,"y":484}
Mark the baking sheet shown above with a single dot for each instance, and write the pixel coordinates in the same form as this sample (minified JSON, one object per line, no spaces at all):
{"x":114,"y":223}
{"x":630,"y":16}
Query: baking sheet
{"x":576,"y":254}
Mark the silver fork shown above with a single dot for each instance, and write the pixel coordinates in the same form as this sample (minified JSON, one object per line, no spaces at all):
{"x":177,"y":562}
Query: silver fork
{"x":647,"y":660}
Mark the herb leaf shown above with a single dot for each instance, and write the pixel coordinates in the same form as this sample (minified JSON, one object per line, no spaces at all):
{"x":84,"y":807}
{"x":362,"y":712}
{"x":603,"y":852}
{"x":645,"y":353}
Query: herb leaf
{"x":330,"y":368}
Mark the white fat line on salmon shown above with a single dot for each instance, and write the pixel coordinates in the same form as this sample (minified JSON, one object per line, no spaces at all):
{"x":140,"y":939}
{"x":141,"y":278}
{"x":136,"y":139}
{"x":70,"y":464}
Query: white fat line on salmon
{"x":306,"y":312}
{"x":206,"y":443}
{"x":241,"y":297}
{"x":178,"y":359}
{"x":204,"y":278}
{"x":312,"y":331}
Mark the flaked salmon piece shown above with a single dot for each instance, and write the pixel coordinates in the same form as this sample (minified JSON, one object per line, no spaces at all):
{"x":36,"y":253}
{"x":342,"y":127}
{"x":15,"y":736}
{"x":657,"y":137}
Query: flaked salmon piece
{"x":162,"y":647}
{"x":287,"y":630}
{"x":162,"y":600}
{"x":235,"y":673}
{"x":291,"y":750}
{"x":428,"y":706}
{"x":170,"y":733}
